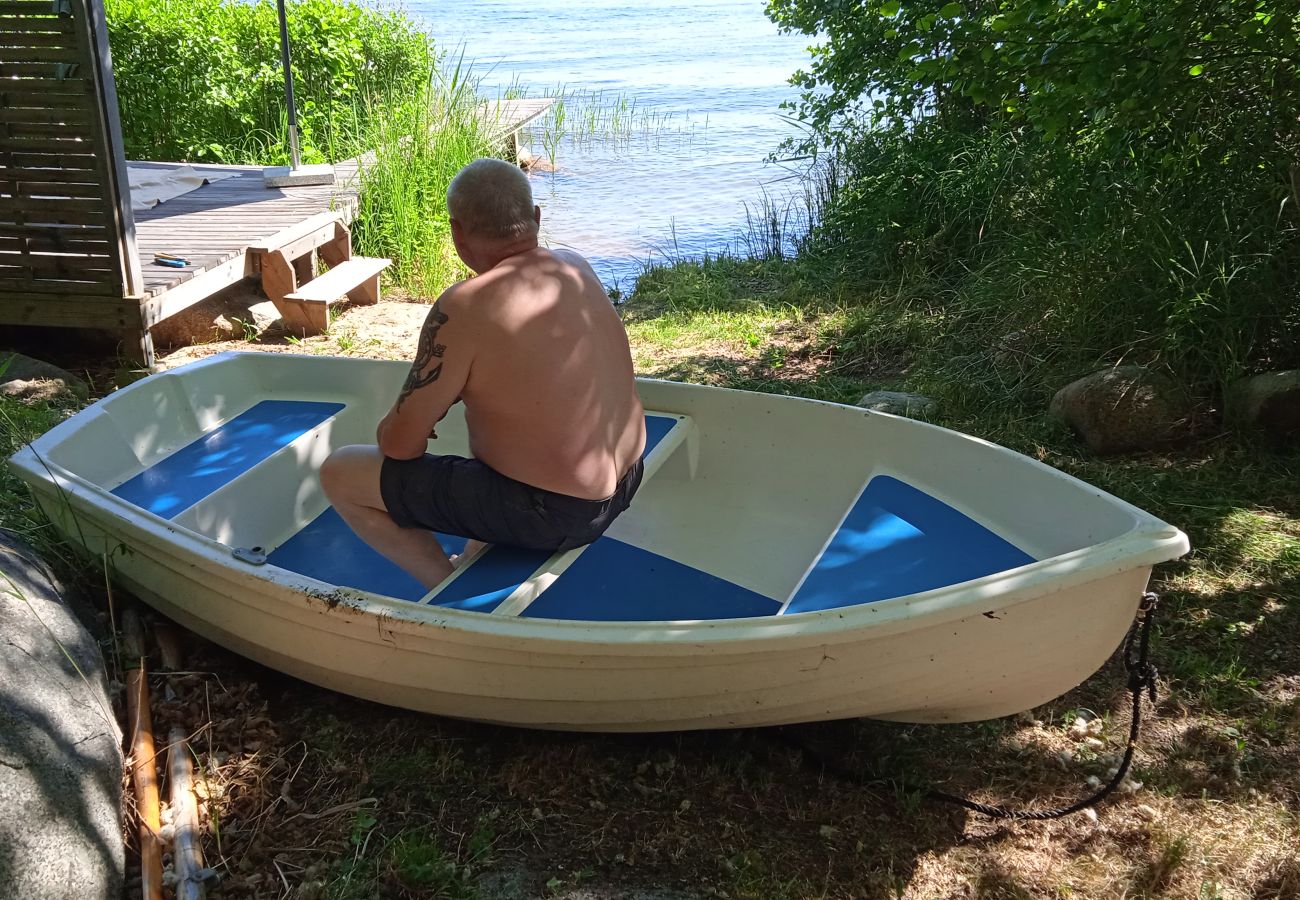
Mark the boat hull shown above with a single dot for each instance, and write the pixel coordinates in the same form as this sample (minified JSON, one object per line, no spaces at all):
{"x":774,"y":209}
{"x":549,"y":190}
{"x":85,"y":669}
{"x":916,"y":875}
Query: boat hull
{"x":992,"y":663}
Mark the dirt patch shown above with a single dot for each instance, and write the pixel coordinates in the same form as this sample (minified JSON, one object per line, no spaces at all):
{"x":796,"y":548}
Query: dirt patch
{"x":384,"y":330}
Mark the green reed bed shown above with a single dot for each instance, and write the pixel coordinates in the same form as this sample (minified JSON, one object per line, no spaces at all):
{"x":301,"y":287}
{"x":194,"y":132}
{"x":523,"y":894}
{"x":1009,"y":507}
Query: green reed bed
{"x":419,"y":144}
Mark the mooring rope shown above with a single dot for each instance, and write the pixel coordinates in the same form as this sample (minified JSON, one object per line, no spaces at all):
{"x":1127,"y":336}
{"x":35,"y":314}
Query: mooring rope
{"x":1141,"y":678}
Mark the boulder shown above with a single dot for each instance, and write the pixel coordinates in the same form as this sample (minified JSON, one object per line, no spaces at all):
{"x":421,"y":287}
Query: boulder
{"x":30,"y":379}
{"x":60,"y":745}
{"x":1126,"y":409}
{"x":238,"y":312}
{"x":898,"y":403}
{"x":1270,"y":401}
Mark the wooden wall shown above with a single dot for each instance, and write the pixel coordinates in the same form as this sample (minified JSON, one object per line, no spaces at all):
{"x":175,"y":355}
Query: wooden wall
{"x":67,"y":253}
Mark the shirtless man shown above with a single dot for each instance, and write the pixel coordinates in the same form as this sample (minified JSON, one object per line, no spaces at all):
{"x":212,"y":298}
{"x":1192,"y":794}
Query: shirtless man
{"x":535,"y":349}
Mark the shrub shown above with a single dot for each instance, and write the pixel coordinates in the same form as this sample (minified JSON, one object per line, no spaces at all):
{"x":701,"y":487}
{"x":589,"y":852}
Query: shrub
{"x":201,"y":80}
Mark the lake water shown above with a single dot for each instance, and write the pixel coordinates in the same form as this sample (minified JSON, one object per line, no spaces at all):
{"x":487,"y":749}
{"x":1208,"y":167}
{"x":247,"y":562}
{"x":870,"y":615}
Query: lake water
{"x":706,"y":81}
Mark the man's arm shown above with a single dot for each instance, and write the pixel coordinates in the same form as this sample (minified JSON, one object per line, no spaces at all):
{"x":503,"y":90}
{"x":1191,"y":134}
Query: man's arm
{"x":437,"y":377}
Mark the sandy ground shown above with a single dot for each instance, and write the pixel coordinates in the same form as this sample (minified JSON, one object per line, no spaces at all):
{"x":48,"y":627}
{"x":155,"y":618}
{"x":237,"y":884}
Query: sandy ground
{"x":386,"y":330}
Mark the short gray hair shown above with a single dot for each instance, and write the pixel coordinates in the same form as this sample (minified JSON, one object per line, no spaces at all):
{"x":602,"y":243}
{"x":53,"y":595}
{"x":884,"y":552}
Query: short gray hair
{"x":493,"y":199}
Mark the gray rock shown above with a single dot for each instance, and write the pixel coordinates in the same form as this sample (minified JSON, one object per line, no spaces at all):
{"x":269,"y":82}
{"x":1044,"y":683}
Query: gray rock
{"x":60,"y":746}
{"x":231,"y":314}
{"x":898,"y":403}
{"x":30,"y":379}
{"x":1270,"y":401}
{"x":1126,"y":409}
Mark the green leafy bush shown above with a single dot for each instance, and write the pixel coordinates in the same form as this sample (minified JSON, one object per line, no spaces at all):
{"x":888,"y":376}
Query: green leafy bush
{"x":1071,"y":182}
{"x":201,"y":80}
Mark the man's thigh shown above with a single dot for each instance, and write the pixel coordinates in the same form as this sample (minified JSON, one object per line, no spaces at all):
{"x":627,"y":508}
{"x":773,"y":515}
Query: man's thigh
{"x":351,"y":475}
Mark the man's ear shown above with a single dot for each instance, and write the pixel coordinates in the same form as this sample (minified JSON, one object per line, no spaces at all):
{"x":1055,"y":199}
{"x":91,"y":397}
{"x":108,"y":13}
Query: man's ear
{"x":537,"y":215}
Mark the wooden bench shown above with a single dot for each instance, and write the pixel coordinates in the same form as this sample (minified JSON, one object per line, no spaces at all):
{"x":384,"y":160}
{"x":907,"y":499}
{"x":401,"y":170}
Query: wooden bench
{"x":288,"y":262}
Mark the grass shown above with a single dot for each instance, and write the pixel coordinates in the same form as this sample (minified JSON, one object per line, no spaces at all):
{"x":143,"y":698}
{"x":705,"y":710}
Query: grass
{"x":20,"y":423}
{"x":420,"y":142}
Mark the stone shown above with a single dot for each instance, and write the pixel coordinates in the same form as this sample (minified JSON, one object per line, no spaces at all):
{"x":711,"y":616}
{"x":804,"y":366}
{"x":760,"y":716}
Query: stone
{"x":60,"y":745}
{"x":238,"y":312}
{"x":1126,"y":409}
{"x":1270,"y":401}
{"x":32,"y":380}
{"x":897,"y":403}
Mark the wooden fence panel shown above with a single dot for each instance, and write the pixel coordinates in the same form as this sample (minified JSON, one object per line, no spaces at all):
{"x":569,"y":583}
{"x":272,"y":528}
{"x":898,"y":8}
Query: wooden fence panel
{"x":63,"y":227}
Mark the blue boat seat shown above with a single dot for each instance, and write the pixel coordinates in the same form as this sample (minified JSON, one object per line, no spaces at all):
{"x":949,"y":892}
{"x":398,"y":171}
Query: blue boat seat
{"x":617,"y":582}
{"x":178,"y":481}
{"x":897,"y":540}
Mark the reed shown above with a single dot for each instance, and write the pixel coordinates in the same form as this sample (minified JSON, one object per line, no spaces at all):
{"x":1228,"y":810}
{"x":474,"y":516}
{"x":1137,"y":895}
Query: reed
{"x":419,"y":143}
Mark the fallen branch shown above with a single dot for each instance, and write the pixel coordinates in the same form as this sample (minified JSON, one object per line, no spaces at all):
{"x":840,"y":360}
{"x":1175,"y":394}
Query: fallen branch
{"x":187,"y":854}
{"x":144,"y":775}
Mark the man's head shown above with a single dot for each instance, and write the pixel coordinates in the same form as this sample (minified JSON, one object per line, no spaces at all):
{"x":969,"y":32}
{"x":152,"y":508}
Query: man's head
{"x":491,"y":208}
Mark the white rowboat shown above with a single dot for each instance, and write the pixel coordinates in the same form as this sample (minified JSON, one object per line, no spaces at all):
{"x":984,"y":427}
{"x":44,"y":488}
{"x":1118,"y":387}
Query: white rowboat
{"x":786,"y":560}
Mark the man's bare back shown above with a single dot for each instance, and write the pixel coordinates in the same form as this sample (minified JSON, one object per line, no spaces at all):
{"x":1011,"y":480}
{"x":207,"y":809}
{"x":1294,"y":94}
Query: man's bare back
{"x":549,"y":400}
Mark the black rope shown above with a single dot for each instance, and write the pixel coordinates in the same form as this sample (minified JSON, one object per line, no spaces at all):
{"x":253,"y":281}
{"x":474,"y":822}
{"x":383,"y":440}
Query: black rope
{"x":1141,"y":678}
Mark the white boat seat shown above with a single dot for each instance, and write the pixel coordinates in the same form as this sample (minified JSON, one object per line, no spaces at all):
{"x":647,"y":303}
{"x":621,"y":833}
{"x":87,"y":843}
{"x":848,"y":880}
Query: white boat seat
{"x":501,"y":574}
{"x":183,"y":478}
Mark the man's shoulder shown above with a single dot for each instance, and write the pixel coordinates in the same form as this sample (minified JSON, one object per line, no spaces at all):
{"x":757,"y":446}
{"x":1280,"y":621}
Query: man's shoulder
{"x":458,"y":299}
{"x":570,"y":257}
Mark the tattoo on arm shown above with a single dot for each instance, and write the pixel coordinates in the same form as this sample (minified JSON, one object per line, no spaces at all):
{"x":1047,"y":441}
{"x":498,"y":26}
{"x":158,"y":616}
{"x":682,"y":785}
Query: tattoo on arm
{"x":429,"y":350}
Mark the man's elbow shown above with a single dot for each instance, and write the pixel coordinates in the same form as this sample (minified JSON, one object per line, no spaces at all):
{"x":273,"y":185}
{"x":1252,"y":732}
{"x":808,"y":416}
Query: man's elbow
{"x":396,"y":448}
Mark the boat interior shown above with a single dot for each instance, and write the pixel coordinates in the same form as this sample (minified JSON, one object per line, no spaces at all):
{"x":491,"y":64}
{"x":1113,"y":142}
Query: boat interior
{"x":717,"y":530}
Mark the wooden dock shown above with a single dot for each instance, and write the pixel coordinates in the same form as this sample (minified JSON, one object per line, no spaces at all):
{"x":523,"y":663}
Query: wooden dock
{"x":506,"y":118}
{"x":214,"y":226}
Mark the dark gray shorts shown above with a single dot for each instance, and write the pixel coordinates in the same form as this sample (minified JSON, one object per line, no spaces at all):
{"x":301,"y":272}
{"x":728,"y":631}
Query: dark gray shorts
{"x":468,"y":498}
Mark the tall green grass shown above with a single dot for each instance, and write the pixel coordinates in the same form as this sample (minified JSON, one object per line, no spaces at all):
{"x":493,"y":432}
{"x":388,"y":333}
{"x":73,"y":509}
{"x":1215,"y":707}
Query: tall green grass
{"x":1042,"y":261}
{"x":420,"y":142}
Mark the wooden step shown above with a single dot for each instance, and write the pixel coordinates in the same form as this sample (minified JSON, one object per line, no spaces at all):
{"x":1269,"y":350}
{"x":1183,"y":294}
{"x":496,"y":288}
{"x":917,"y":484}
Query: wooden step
{"x":321,"y":230}
{"x":358,"y":277}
